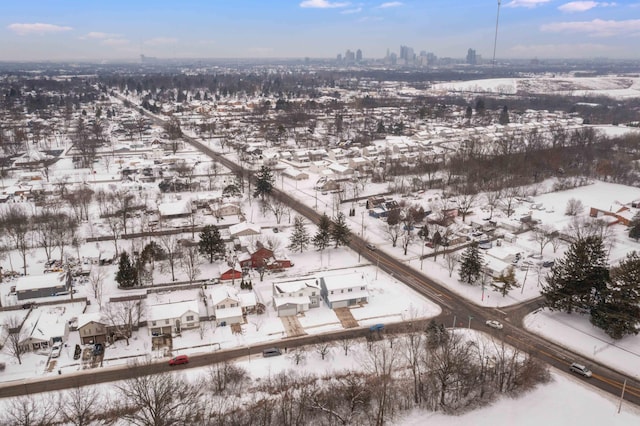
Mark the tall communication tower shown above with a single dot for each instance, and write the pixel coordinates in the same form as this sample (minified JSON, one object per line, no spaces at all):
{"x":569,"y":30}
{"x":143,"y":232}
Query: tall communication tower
{"x":495,"y":39}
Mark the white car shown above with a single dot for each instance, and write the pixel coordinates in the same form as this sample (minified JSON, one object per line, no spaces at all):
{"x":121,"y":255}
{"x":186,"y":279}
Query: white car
{"x":494,"y":324}
{"x":55,"y":350}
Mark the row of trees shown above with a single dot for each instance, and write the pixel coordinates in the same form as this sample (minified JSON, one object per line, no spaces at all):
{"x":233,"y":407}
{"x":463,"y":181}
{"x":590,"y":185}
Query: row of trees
{"x":430,"y":369}
{"x":583,"y":282}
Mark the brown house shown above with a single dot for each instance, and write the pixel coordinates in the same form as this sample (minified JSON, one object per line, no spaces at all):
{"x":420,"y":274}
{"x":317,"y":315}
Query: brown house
{"x":264,"y":257}
{"x":91,"y":329}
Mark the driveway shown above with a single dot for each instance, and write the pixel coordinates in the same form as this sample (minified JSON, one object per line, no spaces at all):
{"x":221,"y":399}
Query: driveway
{"x":346,"y":318}
{"x":292,"y":326}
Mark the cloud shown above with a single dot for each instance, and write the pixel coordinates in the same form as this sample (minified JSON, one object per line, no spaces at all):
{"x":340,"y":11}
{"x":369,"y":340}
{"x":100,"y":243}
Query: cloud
{"x":390,"y":4}
{"x":529,"y":4}
{"x":351,"y":11}
{"x":98,"y":35}
{"x":563,"y":50}
{"x":322,"y":4}
{"x":37,"y":28}
{"x":160,"y":41}
{"x":596,"y":27}
{"x":583,"y":6}
{"x":115,"y":42}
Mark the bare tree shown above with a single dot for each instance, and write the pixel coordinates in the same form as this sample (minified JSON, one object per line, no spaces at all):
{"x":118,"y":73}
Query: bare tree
{"x":190,"y":260}
{"x":543,"y":236}
{"x":492,"y":197}
{"x":173,"y":251}
{"x":31,"y":410}
{"x":277,"y":207}
{"x":452,"y":259}
{"x":322,"y":348}
{"x":122,"y":318}
{"x":298,"y":356}
{"x":509,"y":196}
{"x":16,"y":223}
{"x":345,"y":344}
{"x":574,"y":207}
{"x":79,"y":405}
{"x":96,"y":280}
{"x":15,"y":337}
{"x":159,"y":400}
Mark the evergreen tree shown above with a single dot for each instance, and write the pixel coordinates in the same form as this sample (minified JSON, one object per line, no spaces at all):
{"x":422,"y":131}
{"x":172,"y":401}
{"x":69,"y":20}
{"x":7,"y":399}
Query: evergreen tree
{"x":211,"y":243}
{"x":126,"y":275}
{"x":470,"y":264}
{"x":618,"y":312}
{"x":264,"y":182}
{"x":634,"y":227}
{"x":504,"y":116}
{"x":299,"y":237}
{"x":322,"y":237}
{"x":506,"y":281}
{"x":340,"y":232}
{"x":576,"y":282}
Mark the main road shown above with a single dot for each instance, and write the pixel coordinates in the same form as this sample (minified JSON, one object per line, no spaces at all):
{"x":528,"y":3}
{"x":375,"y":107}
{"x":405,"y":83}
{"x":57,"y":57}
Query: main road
{"x":455,"y":311}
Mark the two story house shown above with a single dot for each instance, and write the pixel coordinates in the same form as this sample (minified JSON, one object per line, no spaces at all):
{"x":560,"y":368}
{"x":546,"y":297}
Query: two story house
{"x":344,"y":290}
{"x":293,"y":297}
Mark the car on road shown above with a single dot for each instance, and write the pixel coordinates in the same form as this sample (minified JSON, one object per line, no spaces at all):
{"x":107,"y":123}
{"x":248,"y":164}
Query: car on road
{"x":371,"y":247}
{"x":580,"y":369}
{"x":494,"y":324}
{"x":271,"y":352}
{"x":178,"y":360}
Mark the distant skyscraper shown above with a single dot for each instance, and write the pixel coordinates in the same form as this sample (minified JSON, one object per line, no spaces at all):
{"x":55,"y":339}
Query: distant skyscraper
{"x":406,"y":55}
{"x":358,"y":55}
{"x":349,"y":56}
{"x":471,"y":57}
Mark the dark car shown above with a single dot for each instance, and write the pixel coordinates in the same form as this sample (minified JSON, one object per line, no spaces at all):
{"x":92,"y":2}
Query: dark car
{"x":178,"y":360}
{"x":98,"y":349}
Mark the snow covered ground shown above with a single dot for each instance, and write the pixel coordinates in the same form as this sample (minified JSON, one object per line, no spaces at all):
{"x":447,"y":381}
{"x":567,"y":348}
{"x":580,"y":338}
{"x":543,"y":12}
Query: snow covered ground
{"x":618,"y":87}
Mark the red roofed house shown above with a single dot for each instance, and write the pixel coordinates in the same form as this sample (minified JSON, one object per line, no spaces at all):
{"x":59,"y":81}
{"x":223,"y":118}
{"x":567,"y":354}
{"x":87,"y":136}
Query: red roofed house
{"x":264,"y":257}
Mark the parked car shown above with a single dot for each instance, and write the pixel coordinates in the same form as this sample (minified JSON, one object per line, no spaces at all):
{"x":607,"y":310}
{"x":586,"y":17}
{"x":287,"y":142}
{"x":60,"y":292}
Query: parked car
{"x":55,"y":350}
{"x":276,"y":230}
{"x":371,"y":247}
{"x":178,"y":360}
{"x":77,"y":352}
{"x":580,"y":369}
{"x":98,"y":349}
{"x":271,"y":352}
{"x":548,"y":263}
{"x":494,"y":324}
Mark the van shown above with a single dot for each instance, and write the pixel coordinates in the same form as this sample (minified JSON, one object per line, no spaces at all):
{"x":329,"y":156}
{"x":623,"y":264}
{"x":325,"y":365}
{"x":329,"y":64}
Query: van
{"x":271,"y":352}
{"x":580,"y":369}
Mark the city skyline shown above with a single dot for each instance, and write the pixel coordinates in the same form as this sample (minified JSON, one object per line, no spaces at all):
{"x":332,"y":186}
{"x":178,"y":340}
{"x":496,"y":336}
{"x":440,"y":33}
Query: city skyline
{"x":117,"y":30}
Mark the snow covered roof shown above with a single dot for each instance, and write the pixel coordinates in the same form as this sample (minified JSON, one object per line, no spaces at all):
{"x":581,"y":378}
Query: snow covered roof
{"x":350,"y":280}
{"x":244,"y":227}
{"x":220,"y":293}
{"x":171,"y":310}
{"x":293,"y":300}
{"x":247,"y":299}
{"x":85,"y":319}
{"x":228,"y":313}
{"x":297,"y":285}
{"x":175,"y":208}
{"x":32,"y":282}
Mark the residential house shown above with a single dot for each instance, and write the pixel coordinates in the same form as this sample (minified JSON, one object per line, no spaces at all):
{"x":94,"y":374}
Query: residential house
{"x":171,"y":318}
{"x":175,"y":209}
{"x":47,"y":325}
{"x":264,"y":257}
{"x":227,"y":307}
{"x":344,"y":290}
{"x":622,"y":214}
{"x":34,"y":286}
{"x":92,"y":328}
{"x":244,"y":229}
{"x":226,"y":209}
{"x":294,"y":297}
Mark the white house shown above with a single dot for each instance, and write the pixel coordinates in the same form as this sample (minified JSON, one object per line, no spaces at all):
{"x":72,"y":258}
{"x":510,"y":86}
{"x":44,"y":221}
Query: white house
{"x":171,"y":318}
{"x":227,"y":307}
{"x":344,"y":290}
{"x":243,"y":229}
{"x":293,"y":297}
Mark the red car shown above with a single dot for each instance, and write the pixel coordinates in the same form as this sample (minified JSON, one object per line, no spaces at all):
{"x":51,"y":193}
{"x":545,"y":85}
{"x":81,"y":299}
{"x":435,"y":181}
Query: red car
{"x":180,"y":359}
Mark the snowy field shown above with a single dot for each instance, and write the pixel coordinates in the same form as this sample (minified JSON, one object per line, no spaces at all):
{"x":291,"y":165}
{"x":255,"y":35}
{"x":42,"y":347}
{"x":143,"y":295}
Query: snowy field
{"x":612,"y":86}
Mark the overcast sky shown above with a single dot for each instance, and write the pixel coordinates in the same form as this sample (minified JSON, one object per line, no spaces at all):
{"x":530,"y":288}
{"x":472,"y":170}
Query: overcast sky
{"x":119,"y":29}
